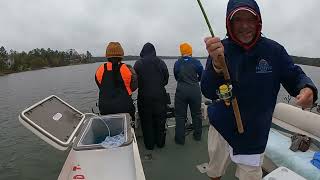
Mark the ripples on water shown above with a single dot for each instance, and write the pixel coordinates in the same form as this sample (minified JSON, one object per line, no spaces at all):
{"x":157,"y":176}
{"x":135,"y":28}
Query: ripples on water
{"x":25,"y":156}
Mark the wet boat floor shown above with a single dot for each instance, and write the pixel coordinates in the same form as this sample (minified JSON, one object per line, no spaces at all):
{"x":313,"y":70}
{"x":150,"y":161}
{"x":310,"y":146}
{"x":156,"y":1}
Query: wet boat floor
{"x":176,"y":162}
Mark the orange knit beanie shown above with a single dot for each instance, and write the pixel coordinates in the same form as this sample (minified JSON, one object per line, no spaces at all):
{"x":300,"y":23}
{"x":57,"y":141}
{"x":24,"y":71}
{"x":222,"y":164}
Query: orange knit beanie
{"x":114,"y":49}
{"x":185,"y":49}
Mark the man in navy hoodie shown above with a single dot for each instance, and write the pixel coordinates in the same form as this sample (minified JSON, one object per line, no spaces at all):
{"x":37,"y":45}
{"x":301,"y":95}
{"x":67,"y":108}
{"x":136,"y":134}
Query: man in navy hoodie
{"x":257,"y":67}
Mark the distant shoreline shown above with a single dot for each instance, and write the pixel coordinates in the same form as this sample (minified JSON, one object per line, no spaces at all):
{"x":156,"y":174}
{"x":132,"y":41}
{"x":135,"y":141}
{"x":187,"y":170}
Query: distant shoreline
{"x":306,"y":61}
{"x":133,"y":58}
{"x":7,"y":72}
{"x":297,"y":60}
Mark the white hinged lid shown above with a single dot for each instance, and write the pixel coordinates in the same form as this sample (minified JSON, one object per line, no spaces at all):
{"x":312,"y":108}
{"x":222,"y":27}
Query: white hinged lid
{"x":283,"y":173}
{"x":53,"y":120}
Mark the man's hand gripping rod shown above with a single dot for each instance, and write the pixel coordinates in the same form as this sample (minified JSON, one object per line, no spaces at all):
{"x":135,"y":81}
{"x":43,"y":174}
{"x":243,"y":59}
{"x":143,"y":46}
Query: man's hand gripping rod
{"x":226,"y":76}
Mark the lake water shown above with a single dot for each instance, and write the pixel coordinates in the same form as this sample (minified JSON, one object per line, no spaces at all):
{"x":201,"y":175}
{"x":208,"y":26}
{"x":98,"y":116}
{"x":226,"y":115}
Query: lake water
{"x":23,"y":155}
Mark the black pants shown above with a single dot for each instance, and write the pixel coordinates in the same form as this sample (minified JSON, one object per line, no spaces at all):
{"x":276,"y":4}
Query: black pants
{"x":187,"y":95}
{"x":152,"y":113}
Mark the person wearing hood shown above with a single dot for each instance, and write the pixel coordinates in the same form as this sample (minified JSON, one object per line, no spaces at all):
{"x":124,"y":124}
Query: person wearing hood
{"x":116,"y":82}
{"x":153,"y":76}
{"x":187,"y":72}
{"x":257,"y":67}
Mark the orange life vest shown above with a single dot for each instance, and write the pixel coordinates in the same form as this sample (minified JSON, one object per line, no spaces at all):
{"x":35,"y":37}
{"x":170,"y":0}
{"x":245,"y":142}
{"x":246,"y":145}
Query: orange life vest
{"x":124,"y":71}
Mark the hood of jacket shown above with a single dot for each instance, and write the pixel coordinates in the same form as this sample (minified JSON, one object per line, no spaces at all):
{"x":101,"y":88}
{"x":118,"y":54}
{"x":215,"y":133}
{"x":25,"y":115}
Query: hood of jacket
{"x":148,"y":50}
{"x":234,"y":5}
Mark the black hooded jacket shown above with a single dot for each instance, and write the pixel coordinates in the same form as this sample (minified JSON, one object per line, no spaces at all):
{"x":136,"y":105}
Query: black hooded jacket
{"x":152,"y":73}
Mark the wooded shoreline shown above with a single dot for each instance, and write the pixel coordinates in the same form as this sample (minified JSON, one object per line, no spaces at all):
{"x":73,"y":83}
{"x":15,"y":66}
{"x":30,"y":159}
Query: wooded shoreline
{"x":296,"y":60}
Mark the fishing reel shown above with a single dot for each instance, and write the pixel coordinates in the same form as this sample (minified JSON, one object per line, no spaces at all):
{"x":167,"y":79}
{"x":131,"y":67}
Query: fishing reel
{"x":225,"y":93}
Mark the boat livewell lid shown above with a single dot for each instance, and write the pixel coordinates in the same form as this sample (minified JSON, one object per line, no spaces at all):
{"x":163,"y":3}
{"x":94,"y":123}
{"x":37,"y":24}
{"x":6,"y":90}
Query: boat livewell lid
{"x":53,"y":120}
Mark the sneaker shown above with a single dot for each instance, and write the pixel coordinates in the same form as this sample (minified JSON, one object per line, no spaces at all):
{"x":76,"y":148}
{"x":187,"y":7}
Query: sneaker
{"x":148,"y":157}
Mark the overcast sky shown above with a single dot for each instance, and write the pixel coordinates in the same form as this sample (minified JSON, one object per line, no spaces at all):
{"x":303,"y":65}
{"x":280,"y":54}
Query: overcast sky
{"x":91,"y":24}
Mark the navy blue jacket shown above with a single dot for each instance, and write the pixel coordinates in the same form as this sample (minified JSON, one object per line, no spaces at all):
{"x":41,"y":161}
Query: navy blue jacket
{"x":188,"y":70}
{"x":256,"y":75}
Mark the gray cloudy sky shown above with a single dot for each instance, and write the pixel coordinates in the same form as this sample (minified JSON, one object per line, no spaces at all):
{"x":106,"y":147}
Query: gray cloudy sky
{"x":91,"y":24}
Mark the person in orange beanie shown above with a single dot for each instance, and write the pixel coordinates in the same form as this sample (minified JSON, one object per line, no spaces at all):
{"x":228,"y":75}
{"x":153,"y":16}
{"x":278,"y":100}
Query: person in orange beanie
{"x":116,"y":82}
{"x":187,"y":72}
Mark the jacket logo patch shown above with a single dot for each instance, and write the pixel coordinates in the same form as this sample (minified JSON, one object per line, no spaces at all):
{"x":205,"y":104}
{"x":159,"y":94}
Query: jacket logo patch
{"x":263,"y":67}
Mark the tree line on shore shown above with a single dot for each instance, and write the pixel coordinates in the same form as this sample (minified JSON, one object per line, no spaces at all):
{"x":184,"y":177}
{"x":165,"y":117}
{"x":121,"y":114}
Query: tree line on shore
{"x":14,"y":61}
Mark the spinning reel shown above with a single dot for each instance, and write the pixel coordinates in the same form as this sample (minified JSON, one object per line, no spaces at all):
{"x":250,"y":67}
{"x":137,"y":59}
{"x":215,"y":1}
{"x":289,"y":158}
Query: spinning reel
{"x":225,"y":93}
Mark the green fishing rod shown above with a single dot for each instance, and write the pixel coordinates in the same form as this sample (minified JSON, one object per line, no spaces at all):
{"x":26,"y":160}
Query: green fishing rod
{"x":225,"y":90}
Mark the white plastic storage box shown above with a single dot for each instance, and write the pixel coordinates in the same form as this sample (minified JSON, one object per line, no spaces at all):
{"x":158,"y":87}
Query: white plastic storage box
{"x":58,"y":123}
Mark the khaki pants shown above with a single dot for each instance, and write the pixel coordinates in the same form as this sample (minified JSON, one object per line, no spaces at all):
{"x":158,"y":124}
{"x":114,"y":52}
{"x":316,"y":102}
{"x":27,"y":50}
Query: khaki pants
{"x":218,"y":149}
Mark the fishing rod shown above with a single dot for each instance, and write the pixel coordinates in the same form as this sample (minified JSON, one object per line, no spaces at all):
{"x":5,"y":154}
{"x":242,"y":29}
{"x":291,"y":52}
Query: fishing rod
{"x":225,"y":90}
